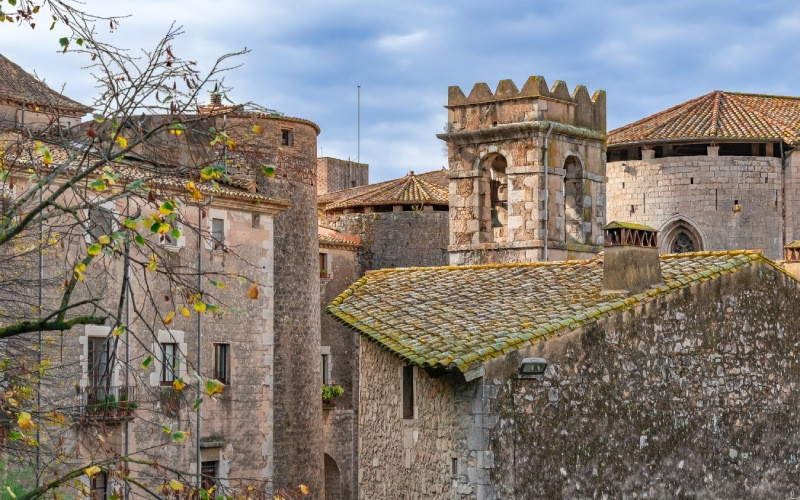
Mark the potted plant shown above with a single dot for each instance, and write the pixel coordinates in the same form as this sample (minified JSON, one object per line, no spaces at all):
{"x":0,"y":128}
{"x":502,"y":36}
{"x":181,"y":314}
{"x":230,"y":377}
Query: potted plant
{"x":330,"y":393}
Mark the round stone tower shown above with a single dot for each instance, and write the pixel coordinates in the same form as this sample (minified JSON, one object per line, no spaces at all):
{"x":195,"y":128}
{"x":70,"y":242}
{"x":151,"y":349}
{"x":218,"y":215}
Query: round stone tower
{"x":290,"y":145}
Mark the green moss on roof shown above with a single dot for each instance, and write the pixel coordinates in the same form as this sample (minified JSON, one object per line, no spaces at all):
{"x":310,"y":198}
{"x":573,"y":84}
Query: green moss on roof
{"x":628,"y":225}
{"x":456,"y":316}
{"x":793,"y":244}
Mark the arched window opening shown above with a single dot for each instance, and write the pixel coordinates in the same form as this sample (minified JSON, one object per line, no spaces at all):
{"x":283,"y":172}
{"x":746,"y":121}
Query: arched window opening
{"x":574,"y":209}
{"x":680,"y":237}
{"x":683,"y":243}
{"x":498,"y":197}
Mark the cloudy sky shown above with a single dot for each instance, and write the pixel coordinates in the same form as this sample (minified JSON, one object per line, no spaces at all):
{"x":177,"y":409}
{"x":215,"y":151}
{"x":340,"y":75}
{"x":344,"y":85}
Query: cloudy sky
{"x":307,"y":57}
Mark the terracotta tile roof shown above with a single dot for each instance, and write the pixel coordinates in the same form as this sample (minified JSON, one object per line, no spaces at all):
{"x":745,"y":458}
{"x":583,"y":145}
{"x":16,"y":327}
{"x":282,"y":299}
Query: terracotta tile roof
{"x":331,"y":238}
{"x":429,"y":188}
{"x":20,"y":86}
{"x":459,"y":316}
{"x":718,"y":115}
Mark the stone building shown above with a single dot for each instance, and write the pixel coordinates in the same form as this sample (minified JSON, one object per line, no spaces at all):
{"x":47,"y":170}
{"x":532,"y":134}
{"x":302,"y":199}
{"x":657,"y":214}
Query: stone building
{"x":264,"y":430}
{"x":627,"y":374}
{"x":717,"y":172}
{"x":401,"y":222}
{"x":527,"y":172}
{"x":334,"y":174}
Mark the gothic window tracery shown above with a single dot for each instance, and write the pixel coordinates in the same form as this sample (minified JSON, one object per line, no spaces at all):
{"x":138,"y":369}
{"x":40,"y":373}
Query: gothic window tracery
{"x":683,"y":243}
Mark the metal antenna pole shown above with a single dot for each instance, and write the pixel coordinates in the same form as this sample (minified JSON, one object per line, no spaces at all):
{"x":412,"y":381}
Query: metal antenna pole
{"x":127,"y":336}
{"x":358,"y":142}
{"x":39,"y":345}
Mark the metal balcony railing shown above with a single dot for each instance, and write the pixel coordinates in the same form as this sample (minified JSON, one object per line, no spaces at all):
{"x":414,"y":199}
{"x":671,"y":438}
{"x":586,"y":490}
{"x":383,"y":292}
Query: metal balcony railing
{"x":109,"y":402}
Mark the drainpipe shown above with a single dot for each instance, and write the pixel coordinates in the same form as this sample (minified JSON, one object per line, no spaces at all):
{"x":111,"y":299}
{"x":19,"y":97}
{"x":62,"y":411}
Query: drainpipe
{"x":783,"y":194}
{"x":546,"y":192}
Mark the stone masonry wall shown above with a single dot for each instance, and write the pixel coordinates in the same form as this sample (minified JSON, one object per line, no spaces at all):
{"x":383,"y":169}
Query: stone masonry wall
{"x":702,"y":190}
{"x":334,"y":174}
{"x":340,"y":421}
{"x":398,"y":239}
{"x":404,"y":458}
{"x":692,"y":395}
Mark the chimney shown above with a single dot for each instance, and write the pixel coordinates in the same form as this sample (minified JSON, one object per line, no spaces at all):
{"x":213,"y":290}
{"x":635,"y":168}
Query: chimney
{"x":791,"y":258}
{"x":216,"y":99}
{"x":630,"y":259}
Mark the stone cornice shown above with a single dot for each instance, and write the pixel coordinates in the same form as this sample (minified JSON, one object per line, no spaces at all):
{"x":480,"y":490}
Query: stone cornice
{"x":519,"y":130}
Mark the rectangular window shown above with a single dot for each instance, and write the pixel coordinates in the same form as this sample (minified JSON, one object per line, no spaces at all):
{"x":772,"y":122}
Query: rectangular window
{"x":217,"y":234}
{"x":99,"y":486}
{"x":169,"y":363}
{"x":286,"y":137}
{"x":408,"y":392}
{"x":100,"y":362}
{"x":169,"y":240}
{"x":208,"y":469}
{"x":221,"y":362}
{"x":326,"y":369}
{"x":100,"y":221}
{"x":324,"y":266}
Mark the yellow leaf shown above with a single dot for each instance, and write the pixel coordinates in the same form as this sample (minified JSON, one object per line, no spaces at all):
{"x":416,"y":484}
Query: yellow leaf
{"x":123,"y":142}
{"x":304,"y":489}
{"x":190,"y":186}
{"x":92,"y":471}
{"x":24,"y":421}
{"x":253,"y":292}
{"x":185,"y":312}
{"x":175,"y":131}
{"x":118,"y":331}
{"x":178,"y":384}
{"x":94,"y":249}
{"x":214,"y":386}
{"x":199,"y":306}
{"x":152,"y":265}
{"x":258,"y":129}
{"x":168,"y":318}
{"x":175,"y":485}
{"x":104,"y":240}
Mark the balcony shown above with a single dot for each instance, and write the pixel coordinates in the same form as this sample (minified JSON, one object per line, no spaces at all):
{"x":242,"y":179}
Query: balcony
{"x":111,"y":404}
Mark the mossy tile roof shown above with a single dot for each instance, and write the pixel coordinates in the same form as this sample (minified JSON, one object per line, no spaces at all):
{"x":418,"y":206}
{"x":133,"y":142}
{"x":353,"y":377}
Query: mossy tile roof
{"x":429,"y":188}
{"x":456,"y":316}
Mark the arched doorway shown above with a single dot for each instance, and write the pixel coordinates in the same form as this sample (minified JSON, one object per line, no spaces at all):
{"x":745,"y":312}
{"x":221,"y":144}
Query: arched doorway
{"x":333,"y":479}
{"x":680,"y":236}
{"x":574,"y":195}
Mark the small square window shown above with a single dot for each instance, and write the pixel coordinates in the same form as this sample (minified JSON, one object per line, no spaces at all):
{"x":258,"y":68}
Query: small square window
{"x":286,"y":137}
{"x":169,"y":363}
{"x":218,"y":234}
{"x":222,"y":362}
{"x":256,"y":221}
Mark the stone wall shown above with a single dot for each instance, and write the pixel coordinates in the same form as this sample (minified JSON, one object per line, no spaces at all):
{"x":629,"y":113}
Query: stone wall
{"x":404,"y":458}
{"x":334,"y":174}
{"x":340,"y":420}
{"x":792,"y":187}
{"x":398,"y":239}
{"x":701,"y":191}
{"x":693,"y":394}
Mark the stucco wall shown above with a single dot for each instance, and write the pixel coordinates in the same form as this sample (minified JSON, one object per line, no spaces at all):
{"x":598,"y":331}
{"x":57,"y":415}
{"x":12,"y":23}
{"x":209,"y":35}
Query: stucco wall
{"x":702,"y":190}
{"x":398,"y":239}
{"x":681,"y":396}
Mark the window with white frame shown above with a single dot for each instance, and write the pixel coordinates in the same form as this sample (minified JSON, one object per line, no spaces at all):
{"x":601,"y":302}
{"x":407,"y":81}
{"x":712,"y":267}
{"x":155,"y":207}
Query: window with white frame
{"x":217,"y":233}
{"x":169,"y":362}
{"x":169,"y":240}
{"x":100,"y":220}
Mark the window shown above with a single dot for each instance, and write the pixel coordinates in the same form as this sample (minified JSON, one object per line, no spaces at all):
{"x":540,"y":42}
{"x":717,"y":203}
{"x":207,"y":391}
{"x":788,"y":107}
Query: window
{"x":256,"y":221}
{"x":222,"y":362}
{"x":170,"y":241}
{"x":208,"y":469}
{"x":169,"y":363}
{"x":218,"y":234}
{"x":683,"y":243}
{"x":100,"y":363}
{"x":99,"y":486}
{"x":324,"y":266}
{"x":286,"y":137}
{"x":7,"y":196}
{"x":408,"y":392}
{"x":326,"y":369}
{"x":100,"y":220}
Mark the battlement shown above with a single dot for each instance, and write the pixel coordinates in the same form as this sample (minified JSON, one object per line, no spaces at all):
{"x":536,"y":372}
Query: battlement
{"x":535,"y":87}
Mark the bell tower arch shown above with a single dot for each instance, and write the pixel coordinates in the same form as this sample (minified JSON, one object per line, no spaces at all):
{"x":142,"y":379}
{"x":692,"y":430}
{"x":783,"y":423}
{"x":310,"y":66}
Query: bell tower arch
{"x":527,"y":172}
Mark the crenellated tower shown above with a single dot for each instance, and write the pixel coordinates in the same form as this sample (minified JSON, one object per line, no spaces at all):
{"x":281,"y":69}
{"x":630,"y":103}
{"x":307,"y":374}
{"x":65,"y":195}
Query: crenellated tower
{"x":527,"y":172}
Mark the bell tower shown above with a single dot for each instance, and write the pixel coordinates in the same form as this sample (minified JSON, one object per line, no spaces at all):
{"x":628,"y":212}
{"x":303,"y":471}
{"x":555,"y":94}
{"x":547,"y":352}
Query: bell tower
{"x":527,"y":172}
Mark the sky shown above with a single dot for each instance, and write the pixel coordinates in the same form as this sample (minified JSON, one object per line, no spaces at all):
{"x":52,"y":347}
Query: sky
{"x":307,"y":58}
